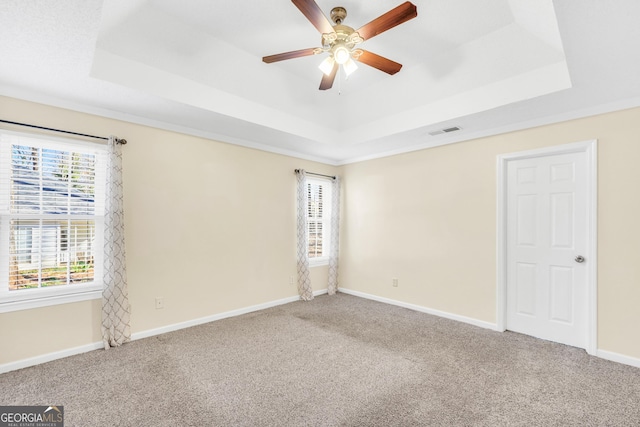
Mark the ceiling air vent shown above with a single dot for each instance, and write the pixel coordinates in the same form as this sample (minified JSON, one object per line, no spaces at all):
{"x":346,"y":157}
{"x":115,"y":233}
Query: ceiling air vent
{"x":445,"y":130}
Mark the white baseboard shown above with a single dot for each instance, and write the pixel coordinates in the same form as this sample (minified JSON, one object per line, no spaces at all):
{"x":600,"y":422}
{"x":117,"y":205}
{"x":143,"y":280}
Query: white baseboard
{"x":219,"y":316}
{"x":603,"y":354}
{"x":32,"y":361}
{"x":194,"y":322}
{"x":37,"y":360}
{"x":620,"y":358}
{"x":446,"y":315}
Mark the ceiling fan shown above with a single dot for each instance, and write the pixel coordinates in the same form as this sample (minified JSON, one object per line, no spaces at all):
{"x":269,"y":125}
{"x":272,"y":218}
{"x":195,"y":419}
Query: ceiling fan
{"x":340,"y":41}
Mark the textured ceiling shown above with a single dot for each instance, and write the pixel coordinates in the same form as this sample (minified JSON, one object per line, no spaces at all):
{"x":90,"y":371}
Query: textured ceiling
{"x":195,"y":66}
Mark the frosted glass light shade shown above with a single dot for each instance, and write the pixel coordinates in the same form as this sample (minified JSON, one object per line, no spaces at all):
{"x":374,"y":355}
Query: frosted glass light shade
{"x":349,"y":67}
{"x":327,"y":65}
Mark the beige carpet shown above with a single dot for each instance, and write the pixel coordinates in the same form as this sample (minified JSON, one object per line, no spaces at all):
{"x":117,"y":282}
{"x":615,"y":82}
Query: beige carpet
{"x":334,"y":361}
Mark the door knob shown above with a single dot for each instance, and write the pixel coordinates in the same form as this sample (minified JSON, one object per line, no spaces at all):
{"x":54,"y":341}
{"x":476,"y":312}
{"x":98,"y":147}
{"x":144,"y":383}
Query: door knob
{"x":579,"y":259}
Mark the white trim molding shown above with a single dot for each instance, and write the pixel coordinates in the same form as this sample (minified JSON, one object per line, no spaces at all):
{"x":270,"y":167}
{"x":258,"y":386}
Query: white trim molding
{"x":36,"y":360}
{"x":589,"y":147}
{"x":32,"y":361}
{"x":53,"y":299}
{"x":620,"y":358}
{"x":44,"y":358}
{"x":219,"y":316}
{"x":415,"y":307}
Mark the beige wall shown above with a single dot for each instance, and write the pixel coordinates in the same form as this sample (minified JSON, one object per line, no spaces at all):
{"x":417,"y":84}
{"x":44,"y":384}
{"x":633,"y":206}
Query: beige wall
{"x":209,"y":226}
{"x":429,"y":219}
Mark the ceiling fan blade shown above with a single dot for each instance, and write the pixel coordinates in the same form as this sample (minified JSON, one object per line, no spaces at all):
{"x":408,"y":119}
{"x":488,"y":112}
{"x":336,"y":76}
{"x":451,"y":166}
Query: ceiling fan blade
{"x":386,"y":21}
{"x":327,"y":81}
{"x":312,"y":11}
{"x":379,"y":62}
{"x":289,"y":55}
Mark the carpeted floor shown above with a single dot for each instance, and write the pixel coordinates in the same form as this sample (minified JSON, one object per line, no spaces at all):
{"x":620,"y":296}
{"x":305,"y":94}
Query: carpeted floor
{"x":335,"y":361}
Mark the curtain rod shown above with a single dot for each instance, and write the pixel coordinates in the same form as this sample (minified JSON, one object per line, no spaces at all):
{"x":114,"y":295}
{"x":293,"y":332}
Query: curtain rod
{"x":317,"y":174}
{"x":118,"y":141}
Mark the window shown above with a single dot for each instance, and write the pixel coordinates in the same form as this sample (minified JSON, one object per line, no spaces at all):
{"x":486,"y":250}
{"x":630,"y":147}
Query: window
{"x":318,"y":220}
{"x":51,"y":220}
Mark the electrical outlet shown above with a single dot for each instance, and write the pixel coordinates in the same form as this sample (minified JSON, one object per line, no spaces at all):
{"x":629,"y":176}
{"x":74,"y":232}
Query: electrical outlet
{"x":394,"y":282}
{"x":291,"y":280}
{"x":159,"y":303}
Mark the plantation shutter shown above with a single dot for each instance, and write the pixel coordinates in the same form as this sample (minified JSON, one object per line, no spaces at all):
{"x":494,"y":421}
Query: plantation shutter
{"x":315,"y":219}
{"x":51,"y":212}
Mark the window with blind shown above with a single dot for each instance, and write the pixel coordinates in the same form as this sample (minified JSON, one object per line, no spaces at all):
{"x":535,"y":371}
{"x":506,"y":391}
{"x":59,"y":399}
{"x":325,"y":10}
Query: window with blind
{"x":51,"y":220}
{"x":318,"y":220}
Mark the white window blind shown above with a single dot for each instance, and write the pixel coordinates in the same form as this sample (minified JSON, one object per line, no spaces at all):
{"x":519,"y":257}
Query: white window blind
{"x":319,"y":219}
{"x":51,"y":217}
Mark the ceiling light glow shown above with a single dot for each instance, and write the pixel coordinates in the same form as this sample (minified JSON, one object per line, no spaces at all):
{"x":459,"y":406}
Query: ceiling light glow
{"x":349,"y":67}
{"x":341,"y":54}
{"x":326,"y":66}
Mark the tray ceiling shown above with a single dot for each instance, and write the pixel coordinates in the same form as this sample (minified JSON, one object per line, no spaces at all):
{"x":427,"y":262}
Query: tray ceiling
{"x":483,"y":65}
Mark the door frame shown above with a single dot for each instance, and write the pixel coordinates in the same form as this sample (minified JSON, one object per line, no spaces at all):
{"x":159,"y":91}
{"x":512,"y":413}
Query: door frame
{"x":589,"y":147}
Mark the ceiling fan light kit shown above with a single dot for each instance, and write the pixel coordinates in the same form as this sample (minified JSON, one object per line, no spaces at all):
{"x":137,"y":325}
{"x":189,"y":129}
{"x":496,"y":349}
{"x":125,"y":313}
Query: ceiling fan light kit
{"x":339,"y":41}
{"x":349,"y":67}
{"x":327,"y":65}
{"x":341,"y":54}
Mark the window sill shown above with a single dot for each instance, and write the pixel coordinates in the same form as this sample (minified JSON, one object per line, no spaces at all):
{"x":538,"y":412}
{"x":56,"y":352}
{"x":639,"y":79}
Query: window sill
{"x":7,"y":306}
{"x":318,"y":262}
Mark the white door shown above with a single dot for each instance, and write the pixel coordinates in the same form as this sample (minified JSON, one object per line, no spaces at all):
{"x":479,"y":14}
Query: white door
{"x":546,"y":241}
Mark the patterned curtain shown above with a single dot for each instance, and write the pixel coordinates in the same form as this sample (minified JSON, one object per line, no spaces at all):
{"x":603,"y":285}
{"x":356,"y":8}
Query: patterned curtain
{"x":115,"y":300}
{"x":335,"y":236}
{"x":304,"y":281}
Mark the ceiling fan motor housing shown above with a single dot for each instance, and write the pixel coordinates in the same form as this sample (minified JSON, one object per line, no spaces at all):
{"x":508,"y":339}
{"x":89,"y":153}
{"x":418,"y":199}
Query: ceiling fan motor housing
{"x":338,"y":14}
{"x":343,"y":37}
